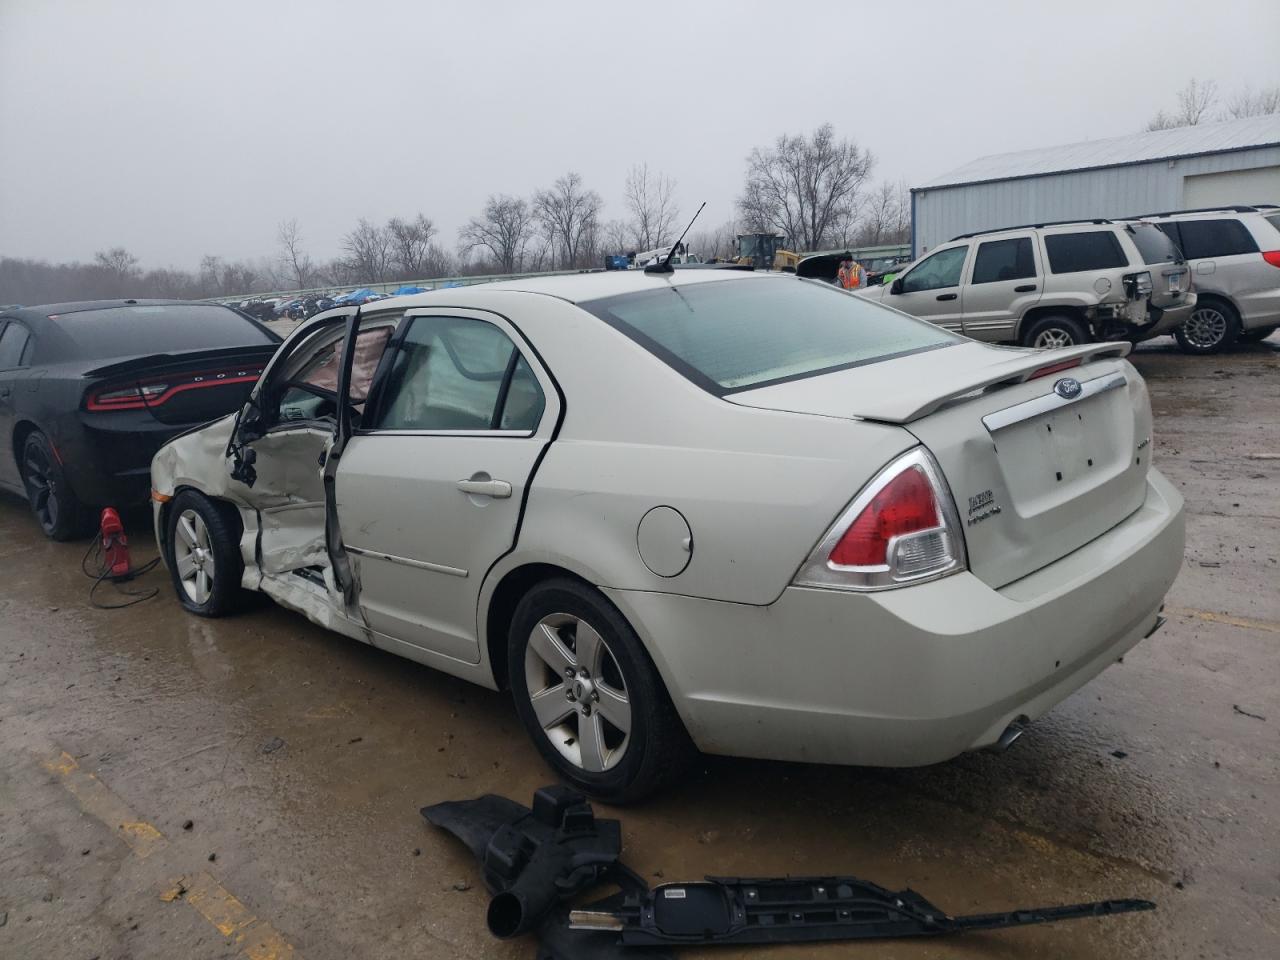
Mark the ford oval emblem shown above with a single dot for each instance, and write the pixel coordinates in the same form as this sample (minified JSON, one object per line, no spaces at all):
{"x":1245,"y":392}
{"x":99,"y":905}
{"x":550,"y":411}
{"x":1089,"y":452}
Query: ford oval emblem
{"x":1068,"y":388}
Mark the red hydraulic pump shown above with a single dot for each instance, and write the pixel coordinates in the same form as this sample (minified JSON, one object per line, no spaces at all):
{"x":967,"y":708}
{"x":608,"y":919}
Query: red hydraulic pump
{"x":115,"y":545}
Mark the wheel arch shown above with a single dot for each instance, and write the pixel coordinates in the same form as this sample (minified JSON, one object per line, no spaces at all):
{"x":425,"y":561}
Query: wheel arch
{"x":21,"y":430}
{"x":1072,"y":310}
{"x":507,"y":592}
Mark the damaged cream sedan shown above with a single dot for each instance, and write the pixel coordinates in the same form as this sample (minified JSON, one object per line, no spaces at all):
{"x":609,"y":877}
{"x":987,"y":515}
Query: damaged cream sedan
{"x":746,"y":513}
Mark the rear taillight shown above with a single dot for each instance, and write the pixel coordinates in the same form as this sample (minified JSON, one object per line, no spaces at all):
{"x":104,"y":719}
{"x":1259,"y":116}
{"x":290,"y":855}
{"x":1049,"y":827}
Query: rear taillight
{"x":1138,"y":285}
{"x":141,"y":394}
{"x":1272,"y":257}
{"x":902,"y":528}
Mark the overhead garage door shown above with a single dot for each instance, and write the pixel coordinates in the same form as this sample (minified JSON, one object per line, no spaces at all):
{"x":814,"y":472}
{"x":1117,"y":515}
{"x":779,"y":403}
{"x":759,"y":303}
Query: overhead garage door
{"x":1260,"y":185}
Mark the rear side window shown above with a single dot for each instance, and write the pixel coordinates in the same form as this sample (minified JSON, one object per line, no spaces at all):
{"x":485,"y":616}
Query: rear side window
{"x":1215,"y":238}
{"x":1274,"y":220}
{"x":13,"y":342}
{"x":455,"y":373}
{"x":1004,"y":260}
{"x":1078,"y":252}
{"x":148,"y":328}
{"x":1154,"y":244}
{"x":730,"y":335}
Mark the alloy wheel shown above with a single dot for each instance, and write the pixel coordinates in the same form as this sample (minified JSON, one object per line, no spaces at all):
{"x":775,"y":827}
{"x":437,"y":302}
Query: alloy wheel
{"x":41,"y":487}
{"x":577,"y":692}
{"x":193,"y":555}
{"x":1054,"y":337}
{"x":1205,"y":328}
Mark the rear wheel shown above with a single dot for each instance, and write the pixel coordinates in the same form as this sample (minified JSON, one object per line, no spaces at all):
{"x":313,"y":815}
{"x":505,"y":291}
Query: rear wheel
{"x":589,"y":696}
{"x":1213,"y":326}
{"x":1055,"y":331}
{"x":59,"y":512}
{"x":1257,"y":335}
{"x":203,"y":547}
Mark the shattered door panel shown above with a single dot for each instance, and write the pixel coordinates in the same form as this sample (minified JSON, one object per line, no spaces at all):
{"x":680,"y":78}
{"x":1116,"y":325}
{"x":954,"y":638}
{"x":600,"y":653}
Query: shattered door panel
{"x":289,"y":496}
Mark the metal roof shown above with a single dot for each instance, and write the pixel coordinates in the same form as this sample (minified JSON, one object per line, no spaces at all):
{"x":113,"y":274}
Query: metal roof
{"x":1227,"y":135}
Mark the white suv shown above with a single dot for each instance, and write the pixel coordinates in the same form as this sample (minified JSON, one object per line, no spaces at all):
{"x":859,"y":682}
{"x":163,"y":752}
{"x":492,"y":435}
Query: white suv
{"x":1049,"y":285}
{"x":1234,"y":254}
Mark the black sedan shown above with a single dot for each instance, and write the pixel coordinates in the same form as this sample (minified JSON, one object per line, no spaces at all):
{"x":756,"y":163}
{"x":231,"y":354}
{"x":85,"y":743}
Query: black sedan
{"x":89,"y":392}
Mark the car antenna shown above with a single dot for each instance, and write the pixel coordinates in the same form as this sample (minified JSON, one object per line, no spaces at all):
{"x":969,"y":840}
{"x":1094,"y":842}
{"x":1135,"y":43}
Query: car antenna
{"x":665,"y":266}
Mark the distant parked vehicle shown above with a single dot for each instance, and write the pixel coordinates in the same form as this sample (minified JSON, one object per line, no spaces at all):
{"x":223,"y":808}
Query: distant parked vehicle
{"x":1049,"y":285}
{"x":1234,"y":253}
{"x":90,"y":391}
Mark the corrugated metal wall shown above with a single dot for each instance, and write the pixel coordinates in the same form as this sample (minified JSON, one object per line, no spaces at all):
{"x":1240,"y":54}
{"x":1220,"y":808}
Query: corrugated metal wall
{"x":943,"y":212}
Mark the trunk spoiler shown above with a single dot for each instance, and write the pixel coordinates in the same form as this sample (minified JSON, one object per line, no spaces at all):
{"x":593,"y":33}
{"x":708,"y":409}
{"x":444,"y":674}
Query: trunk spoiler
{"x":160,"y":362}
{"x":1024,"y":366}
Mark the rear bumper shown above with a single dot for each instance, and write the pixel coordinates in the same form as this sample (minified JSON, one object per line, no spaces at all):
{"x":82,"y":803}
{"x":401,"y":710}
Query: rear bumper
{"x":1168,"y":319}
{"x":107,"y":458}
{"x":913,"y":676}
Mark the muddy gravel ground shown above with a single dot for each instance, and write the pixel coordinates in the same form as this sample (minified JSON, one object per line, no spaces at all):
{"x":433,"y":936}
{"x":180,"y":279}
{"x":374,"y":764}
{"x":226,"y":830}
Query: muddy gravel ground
{"x":176,"y":787}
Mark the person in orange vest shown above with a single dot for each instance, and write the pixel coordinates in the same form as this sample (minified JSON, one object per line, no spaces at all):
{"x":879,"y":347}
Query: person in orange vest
{"x":849,"y":276}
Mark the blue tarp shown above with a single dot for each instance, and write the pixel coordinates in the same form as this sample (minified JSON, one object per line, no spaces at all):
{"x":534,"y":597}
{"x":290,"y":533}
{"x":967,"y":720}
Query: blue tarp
{"x":355,"y":296}
{"x":409,"y":288}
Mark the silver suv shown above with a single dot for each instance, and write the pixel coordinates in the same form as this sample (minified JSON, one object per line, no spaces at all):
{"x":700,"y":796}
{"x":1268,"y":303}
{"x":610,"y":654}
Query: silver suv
{"x":1234,"y":254}
{"x":1050,"y":284}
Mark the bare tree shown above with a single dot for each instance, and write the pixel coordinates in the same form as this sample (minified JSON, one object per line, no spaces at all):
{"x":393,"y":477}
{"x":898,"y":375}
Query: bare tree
{"x":118,"y":262}
{"x":1247,"y":103}
{"x":569,"y":215}
{"x":805,"y":187}
{"x":369,"y":252}
{"x":717,"y":243}
{"x":617,"y":237}
{"x":504,"y":229}
{"x":1194,"y":101}
{"x":650,"y":198}
{"x":295,"y":264}
{"x":411,"y":247}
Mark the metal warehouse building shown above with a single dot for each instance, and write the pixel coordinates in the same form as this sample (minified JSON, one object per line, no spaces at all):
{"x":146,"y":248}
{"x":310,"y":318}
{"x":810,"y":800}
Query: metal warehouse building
{"x":1232,"y":162}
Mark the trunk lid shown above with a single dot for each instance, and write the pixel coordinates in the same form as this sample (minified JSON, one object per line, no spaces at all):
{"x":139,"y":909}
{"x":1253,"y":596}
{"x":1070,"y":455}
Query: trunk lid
{"x":1035,"y":474}
{"x":178,"y":388}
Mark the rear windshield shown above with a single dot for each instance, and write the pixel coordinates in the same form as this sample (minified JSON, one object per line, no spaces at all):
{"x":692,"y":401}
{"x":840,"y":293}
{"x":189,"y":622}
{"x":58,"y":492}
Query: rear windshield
{"x":736,"y":334}
{"x":127,"y":331}
{"x":1154,"y":244}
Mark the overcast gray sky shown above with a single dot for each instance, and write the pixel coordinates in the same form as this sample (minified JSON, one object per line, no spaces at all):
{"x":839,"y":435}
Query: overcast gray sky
{"x":179,"y":128}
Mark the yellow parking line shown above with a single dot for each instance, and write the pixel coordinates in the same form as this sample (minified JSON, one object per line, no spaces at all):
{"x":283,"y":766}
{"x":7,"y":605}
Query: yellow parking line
{"x":98,"y":801}
{"x":1211,"y":617}
{"x":253,"y":938}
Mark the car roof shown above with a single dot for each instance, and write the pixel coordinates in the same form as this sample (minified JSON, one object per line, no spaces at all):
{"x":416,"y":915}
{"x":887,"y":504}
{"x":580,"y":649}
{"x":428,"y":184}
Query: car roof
{"x":45,"y":310}
{"x":575,"y":288}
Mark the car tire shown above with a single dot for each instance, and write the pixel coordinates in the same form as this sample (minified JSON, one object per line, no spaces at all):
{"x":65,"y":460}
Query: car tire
{"x":1213,"y":326}
{"x":202,"y":549}
{"x":545,"y":642}
{"x":54,"y":504}
{"x":1057,"y":330}
{"x":1257,"y":335}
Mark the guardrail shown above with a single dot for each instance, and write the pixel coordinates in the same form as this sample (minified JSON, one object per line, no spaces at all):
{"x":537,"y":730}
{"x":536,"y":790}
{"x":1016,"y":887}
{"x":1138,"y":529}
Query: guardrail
{"x":434,"y":283}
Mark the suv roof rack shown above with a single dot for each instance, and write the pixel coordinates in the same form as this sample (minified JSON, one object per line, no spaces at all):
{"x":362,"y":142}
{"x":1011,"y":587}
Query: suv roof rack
{"x":1029,"y":226}
{"x":1224,"y":208}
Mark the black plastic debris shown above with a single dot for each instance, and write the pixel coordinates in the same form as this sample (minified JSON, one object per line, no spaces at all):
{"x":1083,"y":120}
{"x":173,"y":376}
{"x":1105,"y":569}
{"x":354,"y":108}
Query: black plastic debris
{"x":536,"y":859}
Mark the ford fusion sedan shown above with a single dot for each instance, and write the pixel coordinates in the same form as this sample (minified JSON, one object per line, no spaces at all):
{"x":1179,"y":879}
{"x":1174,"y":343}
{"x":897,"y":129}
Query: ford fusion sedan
{"x":745,"y":513}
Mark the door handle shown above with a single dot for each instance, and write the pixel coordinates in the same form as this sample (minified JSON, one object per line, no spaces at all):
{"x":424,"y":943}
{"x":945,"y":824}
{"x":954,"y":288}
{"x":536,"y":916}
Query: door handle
{"x":1024,"y":288}
{"x":948,"y":296}
{"x":498,"y":489}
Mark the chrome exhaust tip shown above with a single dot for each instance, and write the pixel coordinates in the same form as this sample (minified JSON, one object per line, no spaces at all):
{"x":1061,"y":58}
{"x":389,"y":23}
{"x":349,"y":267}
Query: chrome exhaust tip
{"x":1011,"y":733}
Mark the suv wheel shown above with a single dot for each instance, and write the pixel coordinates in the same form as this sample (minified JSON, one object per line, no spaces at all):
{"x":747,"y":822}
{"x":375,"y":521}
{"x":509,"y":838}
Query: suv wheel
{"x":589,"y":696}
{"x":1212,"y":326}
{"x":1055,"y":331}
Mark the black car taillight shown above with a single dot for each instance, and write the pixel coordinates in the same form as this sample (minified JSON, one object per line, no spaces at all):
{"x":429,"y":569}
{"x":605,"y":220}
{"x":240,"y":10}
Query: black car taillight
{"x":139,"y":394}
